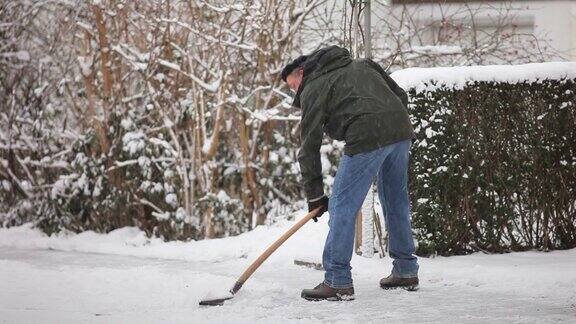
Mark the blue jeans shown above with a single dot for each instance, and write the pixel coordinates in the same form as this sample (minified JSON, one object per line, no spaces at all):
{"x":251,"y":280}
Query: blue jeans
{"x":353,"y":179}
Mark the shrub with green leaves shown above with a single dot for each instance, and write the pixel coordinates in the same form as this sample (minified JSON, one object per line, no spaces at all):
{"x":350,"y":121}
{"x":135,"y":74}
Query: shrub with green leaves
{"x":494,"y":164}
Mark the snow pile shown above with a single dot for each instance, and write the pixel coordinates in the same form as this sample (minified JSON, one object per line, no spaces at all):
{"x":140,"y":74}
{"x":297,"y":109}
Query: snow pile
{"x":429,"y":79}
{"x":131,"y":241}
{"x":524,"y":273}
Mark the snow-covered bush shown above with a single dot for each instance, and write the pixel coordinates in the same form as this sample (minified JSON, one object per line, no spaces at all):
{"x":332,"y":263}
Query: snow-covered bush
{"x":494,"y":165}
{"x":148,"y":113}
{"x":135,"y":184}
{"x":35,"y":122}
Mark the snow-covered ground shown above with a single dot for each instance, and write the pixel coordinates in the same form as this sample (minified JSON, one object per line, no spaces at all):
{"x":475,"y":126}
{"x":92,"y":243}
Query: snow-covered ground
{"x":123,"y":277}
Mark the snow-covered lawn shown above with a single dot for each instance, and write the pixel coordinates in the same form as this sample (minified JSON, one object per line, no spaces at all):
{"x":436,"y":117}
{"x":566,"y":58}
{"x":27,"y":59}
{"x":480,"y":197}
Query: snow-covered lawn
{"x":124,"y":278}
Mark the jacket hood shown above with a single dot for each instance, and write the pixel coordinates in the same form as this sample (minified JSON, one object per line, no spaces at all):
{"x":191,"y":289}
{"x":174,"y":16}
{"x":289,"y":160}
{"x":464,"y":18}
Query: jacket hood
{"x":321,"y":62}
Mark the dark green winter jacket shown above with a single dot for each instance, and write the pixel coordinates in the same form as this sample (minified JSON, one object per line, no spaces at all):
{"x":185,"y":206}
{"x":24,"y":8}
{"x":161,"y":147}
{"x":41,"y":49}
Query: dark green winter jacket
{"x":350,"y":100}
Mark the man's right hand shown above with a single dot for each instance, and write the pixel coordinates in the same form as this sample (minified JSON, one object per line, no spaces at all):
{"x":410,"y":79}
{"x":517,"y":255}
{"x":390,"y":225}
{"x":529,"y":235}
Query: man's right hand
{"x":321,"y":202}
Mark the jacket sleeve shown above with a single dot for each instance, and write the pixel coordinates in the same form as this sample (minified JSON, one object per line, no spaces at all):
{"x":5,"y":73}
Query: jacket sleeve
{"x":391,"y":83}
{"x":311,"y":133}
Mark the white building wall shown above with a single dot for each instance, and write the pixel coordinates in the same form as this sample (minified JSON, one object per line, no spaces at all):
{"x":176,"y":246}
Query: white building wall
{"x":558,"y":20}
{"x":552,"y":20}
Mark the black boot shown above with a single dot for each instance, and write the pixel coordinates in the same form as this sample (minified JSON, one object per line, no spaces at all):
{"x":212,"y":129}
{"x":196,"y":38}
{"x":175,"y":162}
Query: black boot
{"x":325,"y":292}
{"x":391,"y":282}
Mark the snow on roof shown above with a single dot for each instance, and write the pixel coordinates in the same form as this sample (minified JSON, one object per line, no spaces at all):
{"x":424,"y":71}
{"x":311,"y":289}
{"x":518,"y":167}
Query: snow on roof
{"x":457,"y":77}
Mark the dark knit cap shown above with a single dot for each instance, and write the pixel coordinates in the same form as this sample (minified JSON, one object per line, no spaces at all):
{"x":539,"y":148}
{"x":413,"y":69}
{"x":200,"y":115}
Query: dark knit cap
{"x":297,"y":63}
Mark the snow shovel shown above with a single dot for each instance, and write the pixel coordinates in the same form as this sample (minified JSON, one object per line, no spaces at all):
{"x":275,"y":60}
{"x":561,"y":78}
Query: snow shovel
{"x":252,"y":268}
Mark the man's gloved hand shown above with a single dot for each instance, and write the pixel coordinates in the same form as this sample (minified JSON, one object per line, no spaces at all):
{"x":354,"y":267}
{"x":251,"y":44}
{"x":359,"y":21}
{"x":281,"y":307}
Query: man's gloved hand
{"x":321,"y":202}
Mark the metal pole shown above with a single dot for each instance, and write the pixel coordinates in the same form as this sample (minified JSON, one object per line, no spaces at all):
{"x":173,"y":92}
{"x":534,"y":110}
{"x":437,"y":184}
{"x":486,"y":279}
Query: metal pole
{"x":368,"y":214}
{"x":367,"y":30}
{"x":355,"y":13}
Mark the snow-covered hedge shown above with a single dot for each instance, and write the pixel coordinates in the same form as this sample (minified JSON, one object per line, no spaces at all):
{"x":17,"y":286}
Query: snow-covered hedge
{"x":494,"y":164}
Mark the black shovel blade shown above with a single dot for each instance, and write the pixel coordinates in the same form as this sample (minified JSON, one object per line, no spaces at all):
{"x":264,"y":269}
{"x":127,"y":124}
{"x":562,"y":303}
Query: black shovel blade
{"x":214,"y":302}
{"x":220,"y":301}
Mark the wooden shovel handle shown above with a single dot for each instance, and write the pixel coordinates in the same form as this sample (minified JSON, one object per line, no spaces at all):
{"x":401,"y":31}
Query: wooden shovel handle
{"x":271,"y":250}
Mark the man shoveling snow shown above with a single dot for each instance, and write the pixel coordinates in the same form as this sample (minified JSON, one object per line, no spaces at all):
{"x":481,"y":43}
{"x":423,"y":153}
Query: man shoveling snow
{"x":357,"y":102}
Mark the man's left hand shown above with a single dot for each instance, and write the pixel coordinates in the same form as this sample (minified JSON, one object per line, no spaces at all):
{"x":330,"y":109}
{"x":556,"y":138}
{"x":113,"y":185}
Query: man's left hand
{"x":321,"y":202}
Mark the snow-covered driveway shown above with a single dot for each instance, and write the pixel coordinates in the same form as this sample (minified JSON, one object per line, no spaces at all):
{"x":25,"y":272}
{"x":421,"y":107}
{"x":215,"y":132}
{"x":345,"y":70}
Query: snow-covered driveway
{"x":40,"y":285}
